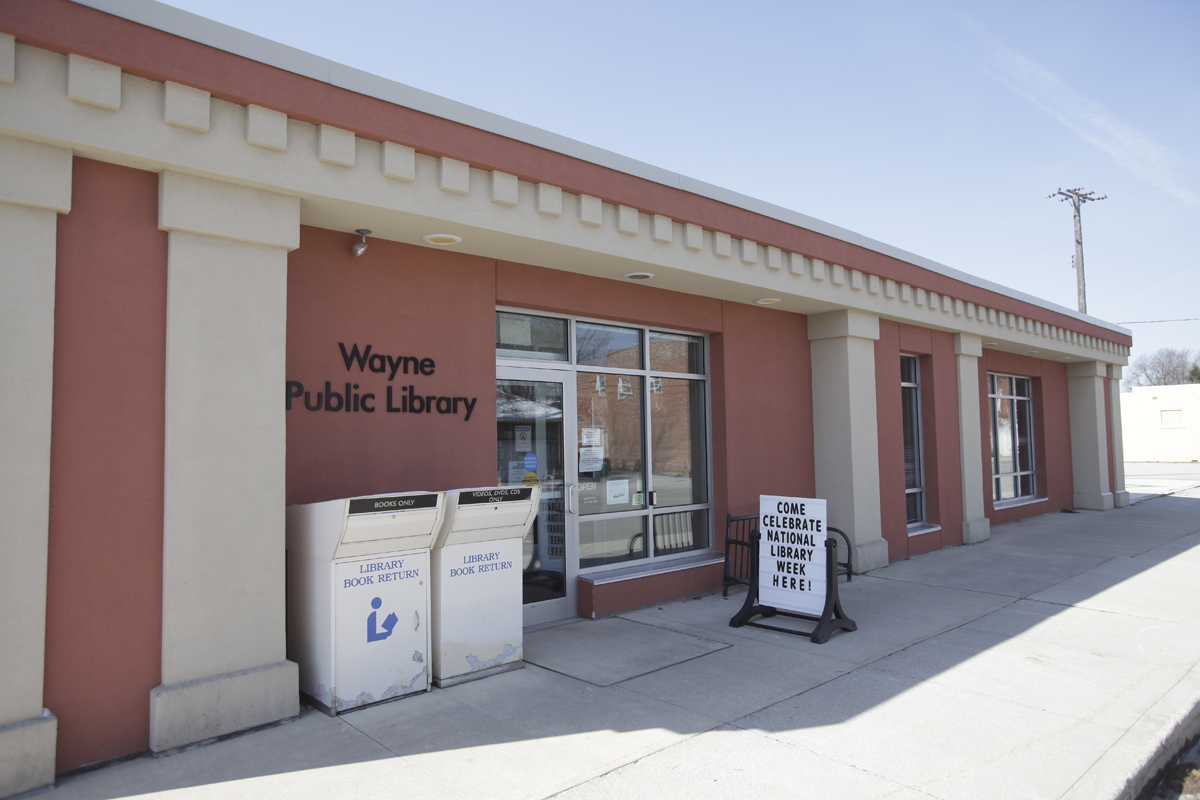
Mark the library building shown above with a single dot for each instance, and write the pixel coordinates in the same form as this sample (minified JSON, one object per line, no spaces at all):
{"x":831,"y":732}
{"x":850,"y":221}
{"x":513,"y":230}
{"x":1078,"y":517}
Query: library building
{"x":240,"y":281}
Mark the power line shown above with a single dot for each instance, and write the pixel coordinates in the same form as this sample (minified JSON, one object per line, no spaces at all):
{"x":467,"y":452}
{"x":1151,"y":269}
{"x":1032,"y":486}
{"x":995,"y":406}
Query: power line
{"x":1152,"y":321}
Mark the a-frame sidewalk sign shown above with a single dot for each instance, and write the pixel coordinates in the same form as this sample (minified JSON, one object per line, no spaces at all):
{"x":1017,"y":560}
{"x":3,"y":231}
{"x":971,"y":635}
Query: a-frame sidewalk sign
{"x":793,"y":567}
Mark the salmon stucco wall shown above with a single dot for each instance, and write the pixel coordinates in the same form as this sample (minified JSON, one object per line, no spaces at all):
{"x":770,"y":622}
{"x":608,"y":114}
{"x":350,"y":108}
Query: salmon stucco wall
{"x":540,"y":289}
{"x":428,"y":318}
{"x":762,"y":410}
{"x":937,"y":370}
{"x":104,"y":597}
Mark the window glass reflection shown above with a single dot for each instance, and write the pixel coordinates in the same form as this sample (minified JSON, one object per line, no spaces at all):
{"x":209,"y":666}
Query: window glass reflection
{"x":529,"y":450}
{"x":610,"y":541}
{"x":1013,"y":458}
{"x":527,"y":336}
{"x":611,"y":443}
{"x":607,"y":346}
{"x":676,"y":352}
{"x":678,"y":446}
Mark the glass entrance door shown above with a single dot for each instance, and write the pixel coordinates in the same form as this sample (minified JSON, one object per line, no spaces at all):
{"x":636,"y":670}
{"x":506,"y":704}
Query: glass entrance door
{"x":611,"y":421}
{"x":535,"y":447}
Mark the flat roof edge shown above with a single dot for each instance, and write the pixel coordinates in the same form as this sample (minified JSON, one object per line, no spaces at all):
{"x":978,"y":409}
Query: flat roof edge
{"x":202,"y":30}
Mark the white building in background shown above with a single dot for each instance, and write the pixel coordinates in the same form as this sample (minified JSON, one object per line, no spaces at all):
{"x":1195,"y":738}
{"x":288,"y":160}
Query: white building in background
{"x":1162,"y":423}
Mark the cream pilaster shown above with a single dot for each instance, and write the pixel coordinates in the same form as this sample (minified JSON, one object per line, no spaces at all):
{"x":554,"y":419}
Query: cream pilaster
{"x":1087,"y":382}
{"x":223,"y":659}
{"x":968,"y":349}
{"x":35,"y":187}
{"x":1120,"y":495}
{"x":846,"y":428}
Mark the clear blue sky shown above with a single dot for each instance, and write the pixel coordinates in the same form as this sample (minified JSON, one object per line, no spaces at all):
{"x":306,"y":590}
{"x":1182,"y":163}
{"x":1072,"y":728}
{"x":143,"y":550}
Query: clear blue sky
{"x":938,"y":127}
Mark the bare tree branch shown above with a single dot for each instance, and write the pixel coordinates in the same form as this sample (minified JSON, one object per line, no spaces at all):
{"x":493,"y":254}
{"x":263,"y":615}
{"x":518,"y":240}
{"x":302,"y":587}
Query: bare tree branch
{"x":1164,"y":367}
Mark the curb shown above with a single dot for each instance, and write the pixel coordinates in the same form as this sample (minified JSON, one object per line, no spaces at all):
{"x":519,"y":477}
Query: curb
{"x":1165,"y":494}
{"x":1137,"y":759}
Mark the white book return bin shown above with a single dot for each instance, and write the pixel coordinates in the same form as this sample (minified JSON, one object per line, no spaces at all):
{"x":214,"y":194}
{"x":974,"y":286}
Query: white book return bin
{"x":477,"y":598}
{"x":358,"y":596}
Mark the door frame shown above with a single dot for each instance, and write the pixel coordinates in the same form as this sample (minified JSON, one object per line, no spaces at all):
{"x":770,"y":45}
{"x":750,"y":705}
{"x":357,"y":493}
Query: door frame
{"x":566,"y":607}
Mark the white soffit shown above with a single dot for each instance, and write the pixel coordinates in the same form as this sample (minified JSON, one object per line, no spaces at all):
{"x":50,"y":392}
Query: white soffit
{"x":257,"y":48}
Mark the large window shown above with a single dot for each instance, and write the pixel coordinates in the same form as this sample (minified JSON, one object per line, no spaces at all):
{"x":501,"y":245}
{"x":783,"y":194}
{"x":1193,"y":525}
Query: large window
{"x":914,"y":472}
{"x":641,"y":431}
{"x":1011,"y":401}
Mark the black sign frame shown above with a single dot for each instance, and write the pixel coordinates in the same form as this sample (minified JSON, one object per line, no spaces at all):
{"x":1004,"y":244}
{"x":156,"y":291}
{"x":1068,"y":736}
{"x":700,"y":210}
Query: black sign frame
{"x":832,"y":618}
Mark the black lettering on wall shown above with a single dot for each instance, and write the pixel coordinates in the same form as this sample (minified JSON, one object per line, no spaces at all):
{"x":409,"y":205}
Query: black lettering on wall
{"x":413,"y":400}
{"x":352,"y":401}
{"x":294,"y":389}
{"x":329,"y":395}
{"x":355,"y":356}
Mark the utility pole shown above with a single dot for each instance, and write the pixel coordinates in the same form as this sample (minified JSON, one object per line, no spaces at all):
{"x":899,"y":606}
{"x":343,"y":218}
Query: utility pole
{"x":1077,"y":198}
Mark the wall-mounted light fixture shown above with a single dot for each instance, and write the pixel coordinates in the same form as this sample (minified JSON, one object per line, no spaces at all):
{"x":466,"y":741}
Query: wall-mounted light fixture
{"x":358,"y":248}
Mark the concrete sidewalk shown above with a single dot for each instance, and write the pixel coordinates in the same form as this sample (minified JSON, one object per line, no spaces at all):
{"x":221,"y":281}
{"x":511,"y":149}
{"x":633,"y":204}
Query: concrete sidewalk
{"x":1146,"y":479}
{"x":1059,"y":659}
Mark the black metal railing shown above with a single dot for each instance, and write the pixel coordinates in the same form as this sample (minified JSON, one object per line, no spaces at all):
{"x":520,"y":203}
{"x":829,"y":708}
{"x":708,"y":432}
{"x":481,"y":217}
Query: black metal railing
{"x":737,"y":550}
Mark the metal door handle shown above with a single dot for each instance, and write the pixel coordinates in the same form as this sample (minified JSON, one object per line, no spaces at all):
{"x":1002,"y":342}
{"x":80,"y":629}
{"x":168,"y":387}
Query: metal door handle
{"x":573,"y":498}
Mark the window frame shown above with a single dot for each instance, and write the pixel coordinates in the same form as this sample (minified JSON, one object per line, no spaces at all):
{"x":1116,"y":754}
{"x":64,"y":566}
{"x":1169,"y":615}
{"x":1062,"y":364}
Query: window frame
{"x":921,"y":525}
{"x":651,"y":512}
{"x":1022,"y":407}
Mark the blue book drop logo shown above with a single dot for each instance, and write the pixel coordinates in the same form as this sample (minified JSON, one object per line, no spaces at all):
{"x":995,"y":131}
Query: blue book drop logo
{"x":373,"y":633}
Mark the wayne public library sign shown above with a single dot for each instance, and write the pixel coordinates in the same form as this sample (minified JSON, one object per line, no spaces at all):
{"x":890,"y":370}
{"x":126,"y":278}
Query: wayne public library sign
{"x":398,"y":399}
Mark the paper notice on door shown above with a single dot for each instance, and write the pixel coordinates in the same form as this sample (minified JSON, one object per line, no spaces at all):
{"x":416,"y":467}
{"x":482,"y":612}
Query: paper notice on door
{"x":618,"y":492}
{"x":591,"y":459}
{"x":516,"y":471}
{"x":524,"y":438}
{"x":591,"y":437}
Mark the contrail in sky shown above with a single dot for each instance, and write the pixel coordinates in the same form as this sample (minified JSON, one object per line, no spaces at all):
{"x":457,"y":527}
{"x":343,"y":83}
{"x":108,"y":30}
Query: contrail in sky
{"x":1131,"y":148}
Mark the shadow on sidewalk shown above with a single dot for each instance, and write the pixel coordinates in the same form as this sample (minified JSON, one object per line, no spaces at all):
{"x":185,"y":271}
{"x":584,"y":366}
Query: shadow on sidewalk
{"x":600,"y":694}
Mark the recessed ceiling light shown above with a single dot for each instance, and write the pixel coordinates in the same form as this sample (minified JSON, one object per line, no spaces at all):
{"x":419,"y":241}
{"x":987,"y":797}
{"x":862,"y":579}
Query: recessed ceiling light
{"x":1068,"y":358}
{"x":768,"y":301}
{"x":990,"y":344}
{"x":1029,"y":352}
{"x":638,"y":276}
{"x":442,"y":239}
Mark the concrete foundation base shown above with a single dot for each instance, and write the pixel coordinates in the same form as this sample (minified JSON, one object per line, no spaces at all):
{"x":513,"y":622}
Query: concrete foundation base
{"x":1095,"y":502}
{"x":27,"y":754}
{"x":870,"y":555}
{"x":446,"y":683}
{"x":976,"y":530}
{"x":185,"y":713}
{"x":1120,"y":499}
